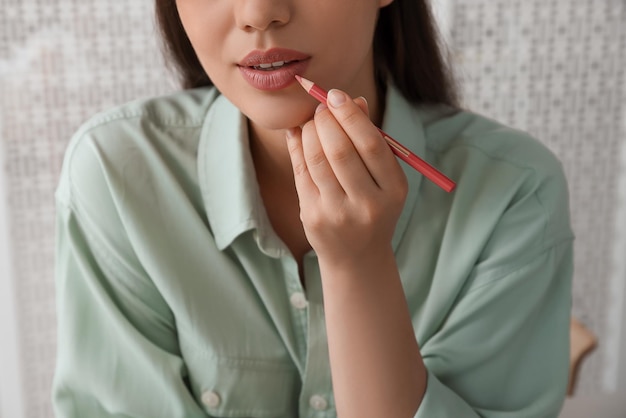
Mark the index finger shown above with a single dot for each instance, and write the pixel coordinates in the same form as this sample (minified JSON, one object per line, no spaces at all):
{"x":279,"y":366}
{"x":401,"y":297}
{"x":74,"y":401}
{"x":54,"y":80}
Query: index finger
{"x":367,"y":139}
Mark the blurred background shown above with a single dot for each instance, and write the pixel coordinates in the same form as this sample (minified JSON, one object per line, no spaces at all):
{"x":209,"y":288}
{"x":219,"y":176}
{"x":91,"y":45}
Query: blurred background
{"x":555,"y":68}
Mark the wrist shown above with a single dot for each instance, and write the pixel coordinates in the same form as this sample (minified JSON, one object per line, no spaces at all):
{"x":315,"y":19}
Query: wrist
{"x":362,"y":267}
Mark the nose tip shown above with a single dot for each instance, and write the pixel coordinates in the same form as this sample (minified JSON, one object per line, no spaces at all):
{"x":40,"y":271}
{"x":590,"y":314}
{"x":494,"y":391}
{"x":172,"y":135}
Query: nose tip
{"x":262,"y":27}
{"x":262,"y":15}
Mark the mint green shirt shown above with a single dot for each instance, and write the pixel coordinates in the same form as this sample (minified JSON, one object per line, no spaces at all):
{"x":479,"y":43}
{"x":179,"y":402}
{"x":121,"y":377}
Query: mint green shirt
{"x":176,"y":299}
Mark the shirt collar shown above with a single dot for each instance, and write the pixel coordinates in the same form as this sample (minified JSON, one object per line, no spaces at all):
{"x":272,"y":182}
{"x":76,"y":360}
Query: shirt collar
{"x":228,"y":180}
{"x":403,"y":122}
{"x":226,"y":173}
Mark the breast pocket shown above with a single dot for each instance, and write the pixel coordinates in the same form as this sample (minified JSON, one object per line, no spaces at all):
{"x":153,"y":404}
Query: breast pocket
{"x":247,"y":388}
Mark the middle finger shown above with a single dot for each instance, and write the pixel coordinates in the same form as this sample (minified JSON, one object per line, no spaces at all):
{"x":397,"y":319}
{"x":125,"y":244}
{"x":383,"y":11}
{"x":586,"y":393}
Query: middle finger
{"x":318,"y":166}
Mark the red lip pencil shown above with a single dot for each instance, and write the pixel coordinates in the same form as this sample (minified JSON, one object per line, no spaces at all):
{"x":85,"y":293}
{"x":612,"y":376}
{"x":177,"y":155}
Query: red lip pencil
{"x":398,"y":149}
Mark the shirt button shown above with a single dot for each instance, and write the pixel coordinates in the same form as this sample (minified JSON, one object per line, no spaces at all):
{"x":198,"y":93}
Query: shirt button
{"x":211,"y":399}
{"x":298,"y":300}
{"x":318,"y":403}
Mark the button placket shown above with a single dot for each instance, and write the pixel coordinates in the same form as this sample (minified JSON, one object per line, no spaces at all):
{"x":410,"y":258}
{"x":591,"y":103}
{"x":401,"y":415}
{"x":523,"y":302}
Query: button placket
{"x":316,"y":398}
{"x":298,"y":303}
{"x":298,"y":300}
{"x":318,"y":403}
{"x":211,"y":398}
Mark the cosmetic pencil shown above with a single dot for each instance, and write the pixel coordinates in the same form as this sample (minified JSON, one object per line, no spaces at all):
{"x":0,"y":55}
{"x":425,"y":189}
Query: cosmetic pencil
{"x":398,"y":149}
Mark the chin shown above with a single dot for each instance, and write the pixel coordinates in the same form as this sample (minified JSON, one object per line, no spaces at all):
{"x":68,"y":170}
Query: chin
{"x":281,"y":117}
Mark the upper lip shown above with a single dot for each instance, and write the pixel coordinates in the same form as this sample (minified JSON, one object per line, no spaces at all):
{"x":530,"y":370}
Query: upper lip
{"x":256,"y":57}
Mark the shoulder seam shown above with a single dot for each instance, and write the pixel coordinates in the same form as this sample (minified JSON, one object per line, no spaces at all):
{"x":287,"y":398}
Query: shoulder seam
{"x":114,"y":267}
{"x":105,"y":119}
{"x":523,"y":263}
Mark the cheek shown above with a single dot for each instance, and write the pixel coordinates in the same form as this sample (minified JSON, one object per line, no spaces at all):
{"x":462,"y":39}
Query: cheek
{"x":338,"y":31}
{"x":206,"y":27}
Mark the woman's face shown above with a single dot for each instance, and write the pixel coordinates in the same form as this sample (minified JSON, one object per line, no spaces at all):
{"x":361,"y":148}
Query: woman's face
{"x":326,"y":41}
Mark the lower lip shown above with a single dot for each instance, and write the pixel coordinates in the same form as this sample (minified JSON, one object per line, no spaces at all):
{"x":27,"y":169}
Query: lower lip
{"x":274,"y":79}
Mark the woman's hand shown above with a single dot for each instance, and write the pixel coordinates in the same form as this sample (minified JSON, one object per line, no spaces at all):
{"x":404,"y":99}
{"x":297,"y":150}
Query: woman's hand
{"x":351,"y":191}
{"x":350,"y":186}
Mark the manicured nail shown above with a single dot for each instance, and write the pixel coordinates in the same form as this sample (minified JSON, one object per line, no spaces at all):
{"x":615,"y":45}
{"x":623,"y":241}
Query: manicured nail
{"x":320,"y":107}
{"x":336,"y":98}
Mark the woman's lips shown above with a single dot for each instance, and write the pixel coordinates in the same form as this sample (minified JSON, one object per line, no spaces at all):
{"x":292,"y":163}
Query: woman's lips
{"x":273,"y":69}
{"x":275,"y":78}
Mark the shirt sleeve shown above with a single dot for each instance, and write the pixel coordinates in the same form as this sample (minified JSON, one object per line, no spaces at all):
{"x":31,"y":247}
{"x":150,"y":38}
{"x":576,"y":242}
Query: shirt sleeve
{"x":486,"y":362}
{"x":502,"y":350}
{"x":117,"y":353}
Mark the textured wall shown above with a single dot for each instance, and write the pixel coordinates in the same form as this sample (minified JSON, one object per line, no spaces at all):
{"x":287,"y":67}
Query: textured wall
{"x":557,"y":69}
{"x":60,"y":61}
{"x":554,"y":68}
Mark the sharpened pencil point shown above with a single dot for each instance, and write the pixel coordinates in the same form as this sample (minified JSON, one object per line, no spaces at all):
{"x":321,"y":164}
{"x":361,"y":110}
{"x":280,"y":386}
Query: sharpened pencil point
{"x":398,"y":149}
{"x":306,"y":84}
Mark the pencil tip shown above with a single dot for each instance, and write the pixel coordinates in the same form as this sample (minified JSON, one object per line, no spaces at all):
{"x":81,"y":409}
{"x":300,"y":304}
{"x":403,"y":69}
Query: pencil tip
{"x":307,"y":84}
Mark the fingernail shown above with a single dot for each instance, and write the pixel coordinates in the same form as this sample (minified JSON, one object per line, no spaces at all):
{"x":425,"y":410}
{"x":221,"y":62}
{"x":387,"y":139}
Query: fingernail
{"x":336,"y":98}
{"x":320,"y":107}
{"x":365,"y":100}
{"x":291,"y":133}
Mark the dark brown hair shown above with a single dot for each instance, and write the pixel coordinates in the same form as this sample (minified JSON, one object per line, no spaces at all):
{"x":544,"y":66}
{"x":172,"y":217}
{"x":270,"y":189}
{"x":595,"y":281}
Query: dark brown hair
{"x":407,"y":50}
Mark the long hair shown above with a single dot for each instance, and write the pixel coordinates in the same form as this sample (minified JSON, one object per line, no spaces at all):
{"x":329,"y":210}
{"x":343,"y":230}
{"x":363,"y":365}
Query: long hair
{"x":407,"y":50}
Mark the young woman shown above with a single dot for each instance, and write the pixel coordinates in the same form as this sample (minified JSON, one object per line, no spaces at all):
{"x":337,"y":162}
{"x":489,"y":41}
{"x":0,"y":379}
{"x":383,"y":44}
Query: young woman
{"x":237,"y":250}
